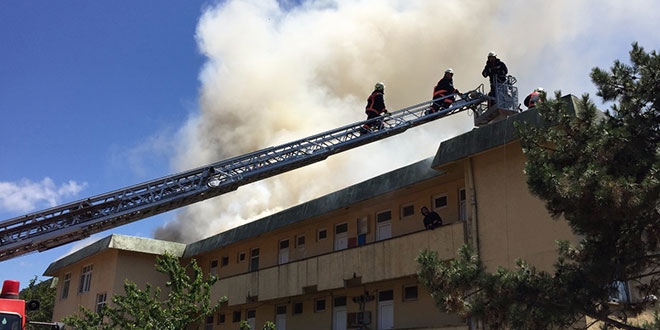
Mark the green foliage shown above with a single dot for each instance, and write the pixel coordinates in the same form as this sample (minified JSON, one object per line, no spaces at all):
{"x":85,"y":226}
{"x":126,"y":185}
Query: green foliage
{"x":187,"y":305}
{"x":599,"y":172}
{"x":44,"y":293}
{"x":269,"y":326}
{"x":244,"y":325}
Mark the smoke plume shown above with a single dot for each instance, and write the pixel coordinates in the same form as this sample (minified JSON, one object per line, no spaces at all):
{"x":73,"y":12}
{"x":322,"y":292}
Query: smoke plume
{"x":278,"y":71}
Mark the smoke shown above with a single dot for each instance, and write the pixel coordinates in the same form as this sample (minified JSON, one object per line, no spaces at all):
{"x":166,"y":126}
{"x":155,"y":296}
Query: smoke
{"x":277,"y":72}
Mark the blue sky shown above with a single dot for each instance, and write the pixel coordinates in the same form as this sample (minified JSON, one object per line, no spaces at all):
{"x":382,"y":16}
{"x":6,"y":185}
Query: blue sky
{"x":83,"y":85}
{"x":99,"y":95}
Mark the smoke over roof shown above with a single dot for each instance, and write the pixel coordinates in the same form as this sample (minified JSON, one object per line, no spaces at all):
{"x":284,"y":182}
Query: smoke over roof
{"x":277,"y":72}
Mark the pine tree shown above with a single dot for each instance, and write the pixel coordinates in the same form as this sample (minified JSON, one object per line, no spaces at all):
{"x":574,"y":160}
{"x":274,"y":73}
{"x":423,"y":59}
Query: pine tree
{"x":600,"y":173}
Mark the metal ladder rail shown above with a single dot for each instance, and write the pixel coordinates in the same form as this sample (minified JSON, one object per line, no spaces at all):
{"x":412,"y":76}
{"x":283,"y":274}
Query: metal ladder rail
{"x":130,"y":204}
{"x":133,"y":192}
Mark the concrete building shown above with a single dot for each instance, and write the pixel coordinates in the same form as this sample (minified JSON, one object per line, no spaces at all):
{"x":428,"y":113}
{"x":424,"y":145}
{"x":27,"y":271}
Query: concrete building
{"x":349,"y":257}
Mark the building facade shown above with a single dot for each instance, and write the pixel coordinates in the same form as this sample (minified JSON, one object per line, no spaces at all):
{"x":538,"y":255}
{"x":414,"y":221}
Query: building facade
{"x":347,"y":260}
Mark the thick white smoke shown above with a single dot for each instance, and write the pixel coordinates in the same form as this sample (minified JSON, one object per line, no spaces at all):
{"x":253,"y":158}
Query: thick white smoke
{"x":278,"y":72}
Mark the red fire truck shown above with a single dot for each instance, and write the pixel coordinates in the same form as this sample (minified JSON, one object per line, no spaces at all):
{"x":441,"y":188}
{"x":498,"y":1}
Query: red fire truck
{"x":13,"y":309}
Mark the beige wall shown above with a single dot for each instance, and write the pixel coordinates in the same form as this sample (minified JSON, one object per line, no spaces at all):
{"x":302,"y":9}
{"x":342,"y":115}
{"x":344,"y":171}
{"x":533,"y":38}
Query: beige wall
{"x":375,"y":262}
{"x":512,"y":223}
{"x":110,"y":269}
{"x":103,"y":270}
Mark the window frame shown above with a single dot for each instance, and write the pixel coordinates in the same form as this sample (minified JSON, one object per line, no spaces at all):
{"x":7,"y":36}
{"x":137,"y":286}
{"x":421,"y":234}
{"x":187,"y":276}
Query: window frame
{"x":436,"y":197}
{"x":318,"y":234}
{"x":405,"y":293}
{"x":316,"y":305}
{"x":66,"y":286}
{"x":254,"y":260}
{"x":100,"y":303}
{"x":85,"y":278}
{"x":402,"y":209}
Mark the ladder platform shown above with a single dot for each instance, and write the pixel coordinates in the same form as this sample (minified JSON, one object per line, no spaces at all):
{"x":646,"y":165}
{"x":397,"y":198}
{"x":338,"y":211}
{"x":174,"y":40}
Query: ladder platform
{"x":493,"y":114}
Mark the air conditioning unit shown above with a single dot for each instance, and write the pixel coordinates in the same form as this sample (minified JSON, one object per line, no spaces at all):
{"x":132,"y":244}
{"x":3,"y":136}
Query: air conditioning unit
{"x":354,"y":320}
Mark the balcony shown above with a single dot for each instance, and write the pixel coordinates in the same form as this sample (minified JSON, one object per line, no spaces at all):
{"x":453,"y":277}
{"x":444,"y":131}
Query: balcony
{"x":373,"y":262}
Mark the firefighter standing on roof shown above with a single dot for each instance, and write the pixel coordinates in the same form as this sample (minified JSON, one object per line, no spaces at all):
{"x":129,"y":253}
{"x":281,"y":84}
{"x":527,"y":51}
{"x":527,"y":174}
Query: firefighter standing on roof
{"x":375,"y":107}
{"x":496,"y":71}
{"x":534,"y":97}
{"x":444,"y":88}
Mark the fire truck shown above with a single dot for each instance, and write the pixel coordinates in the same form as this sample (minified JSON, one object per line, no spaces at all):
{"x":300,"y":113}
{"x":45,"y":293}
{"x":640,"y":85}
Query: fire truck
{"x":13,"y":309}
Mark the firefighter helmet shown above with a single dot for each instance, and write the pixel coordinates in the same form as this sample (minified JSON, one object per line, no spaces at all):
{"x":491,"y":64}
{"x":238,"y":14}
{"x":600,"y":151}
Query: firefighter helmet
{"x":380,"y":86}
{"x":492,"y":53}
{"x":449,"y":70}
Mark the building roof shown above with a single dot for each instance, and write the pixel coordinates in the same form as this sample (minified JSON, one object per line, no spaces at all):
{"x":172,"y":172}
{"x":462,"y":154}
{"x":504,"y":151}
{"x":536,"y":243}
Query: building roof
{"x":117,"y":242}
{"x":491,"y":135}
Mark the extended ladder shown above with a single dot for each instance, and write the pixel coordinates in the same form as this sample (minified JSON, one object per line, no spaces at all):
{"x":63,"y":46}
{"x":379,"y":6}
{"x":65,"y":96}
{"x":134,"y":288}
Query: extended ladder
{"x":47,"y":229}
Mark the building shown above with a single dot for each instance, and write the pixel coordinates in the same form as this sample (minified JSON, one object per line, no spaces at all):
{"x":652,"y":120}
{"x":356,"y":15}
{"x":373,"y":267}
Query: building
{"x":348,"y":258}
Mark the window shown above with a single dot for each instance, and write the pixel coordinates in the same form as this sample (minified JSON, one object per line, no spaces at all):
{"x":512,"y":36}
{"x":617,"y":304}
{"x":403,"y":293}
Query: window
{"x":384,"y":216}
{"x":281,"y":309}
{"x":439,"y":201}
{"x":225,"y":261}
{"x":65,"y":286}
{"x":340,"y":301}
{"x":251,"y":316}
{"x":322,"y":234}
{"x":254,"y":260}
{"x":300,"y":241}
{"x":407,"y":210}
{"x":100,"y":302}
{"x":236,"y":317}
{"x":221,"y":318}
{"x":241,"y":256}
{"x":410,"y":293}
{"x":462,"y":205}
{"x":209,"y":323}
{"x":283,"y":252}
{"x":319,"y":305}
{"x":340,"y":229}
{"x":85,"y":279}
{"x":386,"y":295}
{"x":214,"y":267}
{"x":297,"y":308}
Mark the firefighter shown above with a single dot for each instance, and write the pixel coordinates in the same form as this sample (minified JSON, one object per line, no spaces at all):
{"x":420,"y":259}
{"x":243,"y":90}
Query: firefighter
{"x":375,"y":108}
{"x":444,"y":88}
{"x":495,"y":70}
{"x":534,"y":97}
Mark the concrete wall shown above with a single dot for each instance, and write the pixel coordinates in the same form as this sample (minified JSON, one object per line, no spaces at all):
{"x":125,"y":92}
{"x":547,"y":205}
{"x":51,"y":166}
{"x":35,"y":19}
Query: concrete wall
{"x":512,"y":223}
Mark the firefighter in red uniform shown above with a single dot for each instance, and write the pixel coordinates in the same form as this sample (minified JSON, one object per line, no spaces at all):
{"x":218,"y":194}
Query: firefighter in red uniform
{"x":534,"y":97}
{"x":375,"y":108}
{"x":444,"y":88}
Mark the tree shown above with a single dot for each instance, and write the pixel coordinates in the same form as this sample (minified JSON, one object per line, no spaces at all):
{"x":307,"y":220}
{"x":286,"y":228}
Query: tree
{"x":600,"y":173}
{"x":187,"y":305}
{"x":44,"y":293}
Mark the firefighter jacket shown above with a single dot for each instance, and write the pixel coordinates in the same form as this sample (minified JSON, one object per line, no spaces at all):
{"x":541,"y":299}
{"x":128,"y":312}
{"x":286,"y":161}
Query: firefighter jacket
{"x":376,"y":103}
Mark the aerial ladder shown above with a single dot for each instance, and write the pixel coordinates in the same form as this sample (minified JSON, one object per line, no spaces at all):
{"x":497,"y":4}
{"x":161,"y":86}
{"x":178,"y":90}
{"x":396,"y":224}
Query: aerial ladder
{"x":59,"y":225}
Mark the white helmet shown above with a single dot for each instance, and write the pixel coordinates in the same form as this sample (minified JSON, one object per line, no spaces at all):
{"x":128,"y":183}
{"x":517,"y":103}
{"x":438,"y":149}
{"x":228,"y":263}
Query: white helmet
{"x":449,"y":70}
{"x":380,"y":86}
{"x":492,"y":53}
{"x":539,"y":89}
